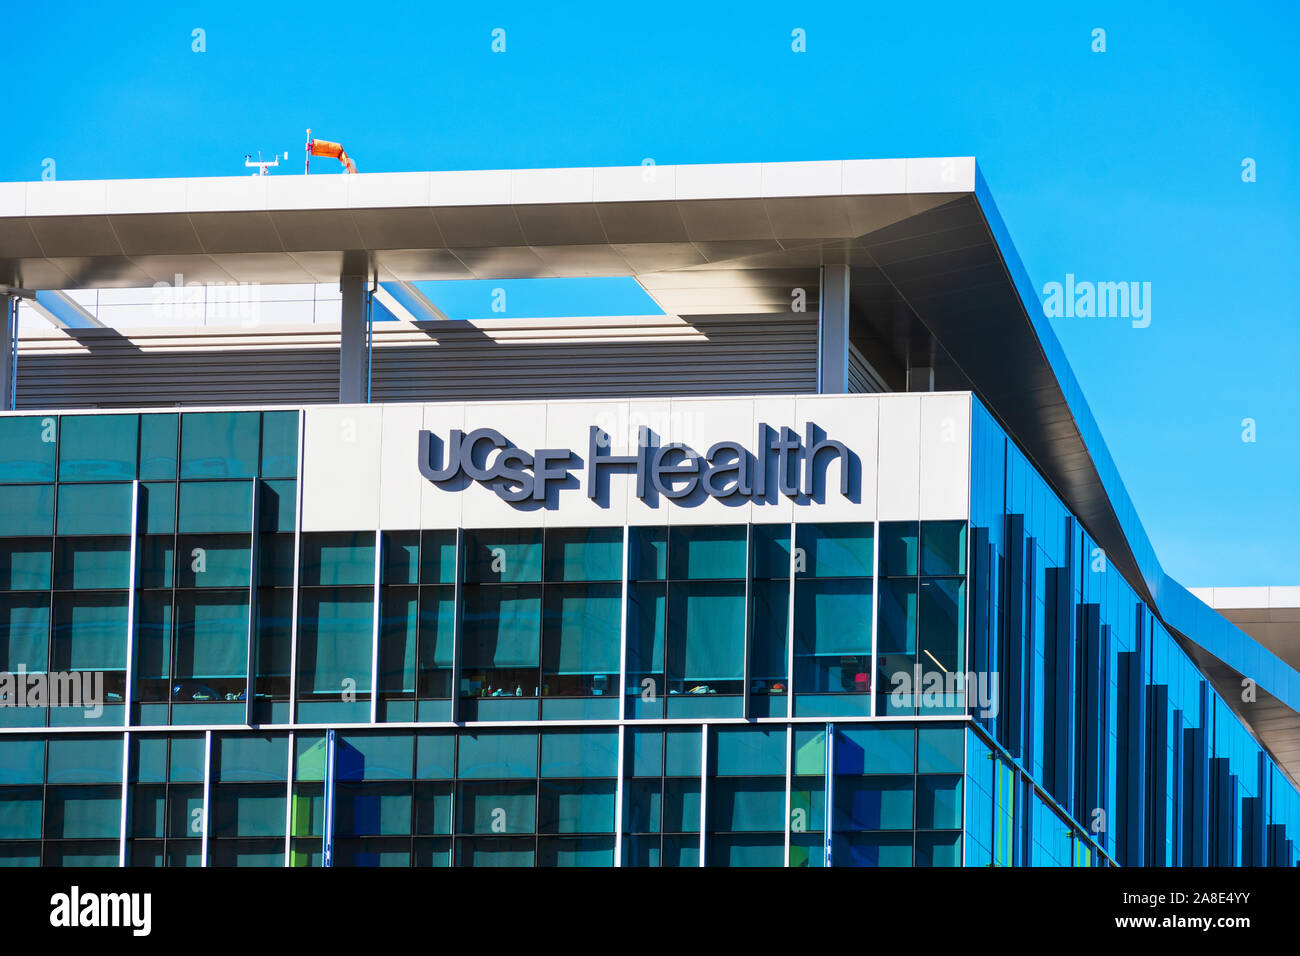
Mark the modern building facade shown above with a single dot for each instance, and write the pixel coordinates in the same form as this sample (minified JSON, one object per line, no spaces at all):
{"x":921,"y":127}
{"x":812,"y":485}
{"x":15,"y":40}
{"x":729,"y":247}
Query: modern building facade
{"x":826,"y":564}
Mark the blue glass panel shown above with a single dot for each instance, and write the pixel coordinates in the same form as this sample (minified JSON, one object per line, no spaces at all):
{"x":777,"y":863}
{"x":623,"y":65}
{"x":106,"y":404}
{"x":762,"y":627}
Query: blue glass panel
{"x":491,"y":755}
{"x":279,"y":444}
{"x":898,"y":547}
{"x":874,"y":749}
{"x":580,"y":753}
{"x":24,"y":760}
{"x":503,"y":556}
{"x":576,"y":806}
{"x":873,"y":803}
{"x":939,"y":750}
{"x":703,"y":553}
{"x":251,"y":758}
{"x":744,"y":751}
{"x":943,"y":547}
{"x":158,"y":446}
{"x":27,"y":510}
{"x":219,"y":444}
{"x":84,"y":760}
{"x":594,"y":554}
{"x":648,"y":554}
{"x":835,"y":550}
{"x":25,"y":564}
{"x":216,"y":506}
{"x":438,"y":557}
{"x":27,"y":448}
{"x":435,"y":756}
{"x":374,"y":757}
{"x":344,"y":558}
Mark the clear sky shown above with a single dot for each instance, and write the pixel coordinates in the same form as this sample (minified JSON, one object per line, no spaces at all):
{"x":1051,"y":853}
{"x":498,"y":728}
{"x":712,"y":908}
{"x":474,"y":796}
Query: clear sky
{"x":1123,"y":165}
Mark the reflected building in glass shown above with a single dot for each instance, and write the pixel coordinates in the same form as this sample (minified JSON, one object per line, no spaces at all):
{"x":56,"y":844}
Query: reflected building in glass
{"x":888,"y":607}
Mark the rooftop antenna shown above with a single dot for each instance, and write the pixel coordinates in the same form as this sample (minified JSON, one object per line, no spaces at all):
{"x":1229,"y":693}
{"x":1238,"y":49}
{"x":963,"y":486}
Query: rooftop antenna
{"x":323,"y":147}
{"x":261,"y":165}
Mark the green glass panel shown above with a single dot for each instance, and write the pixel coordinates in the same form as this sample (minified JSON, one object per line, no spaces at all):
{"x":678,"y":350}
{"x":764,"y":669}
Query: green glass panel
{"x":27,"y":448}
{"x":27,"y":510}
{"x":279,"y":444}
{"x":216,"y":506}
{"x":98,"y":447}
{"x":809,"y":751}
{"x":219,"y":445}
{"x":158,"y":446}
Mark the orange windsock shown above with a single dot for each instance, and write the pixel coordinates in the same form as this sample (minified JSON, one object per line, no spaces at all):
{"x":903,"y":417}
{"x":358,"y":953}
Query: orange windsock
{"x":323,"y":147}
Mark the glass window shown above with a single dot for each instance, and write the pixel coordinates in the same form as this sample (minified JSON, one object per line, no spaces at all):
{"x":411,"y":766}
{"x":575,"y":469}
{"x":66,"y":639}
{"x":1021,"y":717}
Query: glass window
{"x":706,"y":638}
{"x":943,"y":547}
{"x":582,"y":635}
{"x":24,"y":632}
{"x":498,"y":755}
{"x":279,"y":444}
{"x":335,"y":558}
{"x":438,"y":557}
{"x":898,"y":547}
{"x":594,"y":554}
{"x":214,"y":560}
{"x":98,"y":447}
{"x":211,"y":645}
{"x":707,"y":553}
{"x":90,"y":632}
{"x":92,"y":562}
{"x":334,"y":644}
{"x":219,"y":444}
{"x":401,"y":557}
{"x":868,"y":749}
{"x":27,"y":448}
{"x":27,"y":510}
{"x":834,"y":550}
{"x":216,"y":506}
{"x":501,"y":631}
{"x":77,"y":759}
{"x":158,"y":447}
{"x":744,"y":751}
{"x":580,"y":753}
{"x":158,"y":507}
{"x":503,"y":557}
{"x":375,"y":757}
{"x":25,"y":564}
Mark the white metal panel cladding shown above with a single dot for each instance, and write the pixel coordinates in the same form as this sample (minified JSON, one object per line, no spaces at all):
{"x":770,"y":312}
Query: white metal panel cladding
{"x":361,"y":468}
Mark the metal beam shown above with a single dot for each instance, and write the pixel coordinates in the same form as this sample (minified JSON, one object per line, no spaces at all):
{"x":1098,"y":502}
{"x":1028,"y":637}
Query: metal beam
{"x":354,"y":361}
{"x":833,"y":332}
{"x":8,"y":340}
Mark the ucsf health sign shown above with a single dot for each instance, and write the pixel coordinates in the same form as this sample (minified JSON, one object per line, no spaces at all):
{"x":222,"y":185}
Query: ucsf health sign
{"x":782,"y":463}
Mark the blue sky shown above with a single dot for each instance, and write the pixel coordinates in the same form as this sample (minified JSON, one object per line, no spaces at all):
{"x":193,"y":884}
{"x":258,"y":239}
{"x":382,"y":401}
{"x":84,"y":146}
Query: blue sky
{"x":1122,"y":165}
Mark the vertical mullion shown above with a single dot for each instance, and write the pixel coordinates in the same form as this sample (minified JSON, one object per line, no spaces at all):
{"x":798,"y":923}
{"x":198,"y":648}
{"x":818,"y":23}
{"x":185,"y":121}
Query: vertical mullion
{"x":618,"y":801}
{"x":207,"y":794}
{"x":295,"y":613}
{"x":374,"y":628}
{"x":327,"y":839}
{"x":622,"y":641}
{"x":828,"y":787}
{"x":132,"y":583}
{"x":456,"y":600}
{"x":748,"y":632}
{"x":288,"y":805}
{"x":789,"y":628}
{"x":789,"y":772}
{"x":704,"y":787}
{"x":126,"y":795}
{"x":875,"y":609}
{"x":254,"y":571}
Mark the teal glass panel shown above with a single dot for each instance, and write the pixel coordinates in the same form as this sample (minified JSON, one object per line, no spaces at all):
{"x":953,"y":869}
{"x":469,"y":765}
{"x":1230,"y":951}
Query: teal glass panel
{"x":938,"y":802}
{"x":399,"y":626}
{"x":873,"y":849}
{"x":27,"y":448}
{"x":770,"y":628}
{"x":157,"y":561}
{"x":27,"y":510}
{"x":580,"y":753}
{"x":898,"y":547}
{"x":938,"y":849}
{"x":250,"y":810}
{"x":278,"y":506}
{"x":646,"y":619}
{"x":372,"y":809}
{"x":187,"y":759}
{"x":941,"y":623}
{"x":158,"y":507}
{"x":747,"y":804}
{"x":438,"y":557}
{"x":896,"y":628}
{"x":211,"y":636}
{"x":92,"y":562}
{"x":874,"y":749}
{"x":835,"y":550}
{"x":374,"y":757}
{"x":433,"y":807}
{"x":576,"y":806}
{"x":642,"y":806}
{"x":221,"y":507}
{"x":939,"y":750}
{"x":241,"y":758}
{"x":153,"y":645}
{"x":495,"y":852}
{"x":331,"y":558}
{"x":435,"y":756}
{"x":25,"y":564}
{"x":24,"y":761}
{"x":158,"y":447}
{"x":705,"y":553}
{"x":501,"y":627}
{"x":219,"y":444}
{"x":279,"y":444}
{"x":873,"y":803}
{"x":745,"y":850}
{"x":706,"y":628}
{"x":743,"y":751}
{"x":90,"y":632}
{"x":275,"y":558}
{"x":334,"y":641}
{"x":681,"y":806}
{"x":437,"y":635}
{"x":807,"y":805}
{"x":645,"y":749}
{"x":943,"y":547}
{"x":214,"y":561}
{"x":682,"y":752}
{"x":98,"y":447}
{"x":148,"y":759}
{"x":648,"y":554}
{"x":505,"y":557}
{"x":77,"y":759}
{"x":771,"y":544}
{"x":185,"y":811}
{"x":594,"y":851}
{"x":832,"y":619}
{"x":148,"y":811}
{"x":497,"y":807}
{"x":594,"y":554}
{"x":274,"y":642}
{"x":401,"y":557}
{"x":82,"y":813}
{"x":498,"y":755}
{"x":582,"y":636}
{"x":20,"y":813}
